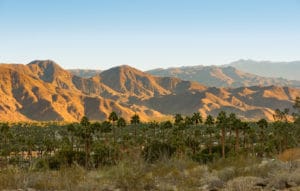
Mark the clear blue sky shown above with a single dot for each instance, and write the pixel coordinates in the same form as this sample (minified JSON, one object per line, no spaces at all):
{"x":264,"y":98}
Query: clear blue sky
{"x":148,"y":34}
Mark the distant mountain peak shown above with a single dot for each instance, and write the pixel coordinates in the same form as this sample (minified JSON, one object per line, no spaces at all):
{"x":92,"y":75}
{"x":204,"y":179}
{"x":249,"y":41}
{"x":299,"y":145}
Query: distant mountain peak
{"x":44,"y":63}
{"x":287,"y":70}
{"x":222,"y":76}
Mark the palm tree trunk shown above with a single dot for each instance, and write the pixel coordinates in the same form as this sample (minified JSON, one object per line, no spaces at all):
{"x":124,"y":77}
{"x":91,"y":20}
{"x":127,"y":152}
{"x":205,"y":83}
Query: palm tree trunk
{"x":223,"y":142}
{"x":237,"y":140}
{"x":210,"y":143}
{"x":135,"y":131}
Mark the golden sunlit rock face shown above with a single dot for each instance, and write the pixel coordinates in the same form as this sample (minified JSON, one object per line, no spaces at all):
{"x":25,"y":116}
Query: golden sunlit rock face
{"x":42,"y":90}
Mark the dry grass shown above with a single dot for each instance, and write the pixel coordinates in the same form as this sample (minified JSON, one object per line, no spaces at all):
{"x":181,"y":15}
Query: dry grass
{"x":170,"y":174}
{"x":248,"y":183}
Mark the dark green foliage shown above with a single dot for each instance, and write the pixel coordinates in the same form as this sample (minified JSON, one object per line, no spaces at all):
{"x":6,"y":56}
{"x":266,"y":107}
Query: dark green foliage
{"x":104,"y":155}
{"x":54,"y":163}
{"x":69,"y":157}
{"x":113,"y":116}
{"x":135,"y":119}
{"x":40,"y":164}
{"x":204,"y":156}
{"x":192,"y":143}
{"x":157,"y":150}
{"x":166,"y":125}
{"x":51,"y":145}
{"x":106,"y":127}
{"x":178,"y":118}
{"x":121,"y":122}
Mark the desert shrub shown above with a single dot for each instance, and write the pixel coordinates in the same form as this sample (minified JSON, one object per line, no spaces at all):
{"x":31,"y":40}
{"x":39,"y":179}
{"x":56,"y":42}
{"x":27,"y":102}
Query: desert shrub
{"x":157,"y":150}
{"x":204,"y":156}
{"x":284,"y":179}
{"x":247,"y":183}
{"x":201,"y":157}
{"x":128,"y":176}
{"x":54,"y":163}
{"x":104,"y":155}
{"x":68,"y":157}
{"x":40,"y":164}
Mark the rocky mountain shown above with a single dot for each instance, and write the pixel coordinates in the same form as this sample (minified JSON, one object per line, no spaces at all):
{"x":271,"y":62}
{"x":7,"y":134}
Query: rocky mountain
{"x":288,"y":70}
{"x":226,"y":76}
{"x":42,"y":90}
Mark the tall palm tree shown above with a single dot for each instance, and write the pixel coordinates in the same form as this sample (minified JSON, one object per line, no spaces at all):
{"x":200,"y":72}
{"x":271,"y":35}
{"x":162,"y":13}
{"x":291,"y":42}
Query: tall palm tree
{"x":237,"y":126}
{"x":135,"y":119}
{"x":72,"y":131}
{"x":245,"y":128}
{"x":262,"y":124}
{"x":222,"y":124}
{"x":154,"y":125}
{"x":165,"y":125}
{"x":121,"y":123}
{"x":209,"y":122}
{"x":231,"y":122}
{"x":87,"y":135}
{"x":113,"y":117}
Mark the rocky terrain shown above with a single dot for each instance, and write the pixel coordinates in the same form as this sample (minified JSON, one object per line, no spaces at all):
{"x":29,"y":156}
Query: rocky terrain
{"x":42,"y":90}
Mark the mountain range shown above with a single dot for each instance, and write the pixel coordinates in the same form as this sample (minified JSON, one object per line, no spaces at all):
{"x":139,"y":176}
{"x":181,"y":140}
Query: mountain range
{"x":222,"y":76}
{"x":42,"y":90}
{"x":288,"y":70}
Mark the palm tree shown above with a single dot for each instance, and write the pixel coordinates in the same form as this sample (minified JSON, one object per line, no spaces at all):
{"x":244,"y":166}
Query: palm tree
{"x":154,"y":125}
{"x":135,"y":119}
{"x":197,"y":118}
{"x":178,"y":118}
{"x":237,"y":126}
{"x":231,"y":120}
{"x":87,"y":135}
{"x":245,"y":128}
{"x":113,"y":117}
{"x":222,"y":124}
{"x":262,"y":124}
{"x":165,"y":125}
{"x":121,"y":122}
{"x":209,"y":122}
{"x":71,"y":128}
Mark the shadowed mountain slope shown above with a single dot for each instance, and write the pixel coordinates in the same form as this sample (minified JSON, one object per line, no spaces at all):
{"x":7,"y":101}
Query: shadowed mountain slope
{"x":84,"y":73}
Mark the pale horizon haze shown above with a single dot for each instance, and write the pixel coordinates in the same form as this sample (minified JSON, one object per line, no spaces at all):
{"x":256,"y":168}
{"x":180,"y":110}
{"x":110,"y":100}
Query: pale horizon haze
{"x":148,"y":34}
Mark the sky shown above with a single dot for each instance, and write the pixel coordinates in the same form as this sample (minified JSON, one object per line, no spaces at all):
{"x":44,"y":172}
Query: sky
{"x":147,"y":34}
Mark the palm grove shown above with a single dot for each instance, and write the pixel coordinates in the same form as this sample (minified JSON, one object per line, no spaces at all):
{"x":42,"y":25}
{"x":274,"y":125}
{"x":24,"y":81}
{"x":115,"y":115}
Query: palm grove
{"x":53,"y":145}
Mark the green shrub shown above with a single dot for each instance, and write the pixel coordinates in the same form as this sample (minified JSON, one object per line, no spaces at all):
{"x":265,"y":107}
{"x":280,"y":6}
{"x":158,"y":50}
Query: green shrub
{"x":40,"y":164}
{"x":204,"y":156}
{"x":104,"y":155}
{"x":157,"y":150}
{"x":54,"y":163}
